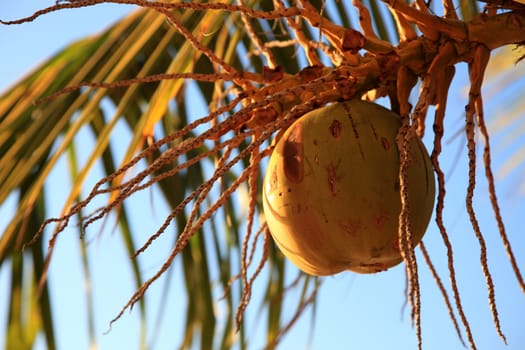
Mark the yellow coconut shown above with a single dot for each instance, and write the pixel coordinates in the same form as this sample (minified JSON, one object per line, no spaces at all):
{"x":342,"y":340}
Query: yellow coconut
{"x":331,"y":191}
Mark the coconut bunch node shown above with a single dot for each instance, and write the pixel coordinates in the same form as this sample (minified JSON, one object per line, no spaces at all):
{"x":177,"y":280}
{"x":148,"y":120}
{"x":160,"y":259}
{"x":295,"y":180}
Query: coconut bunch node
{"x":331,"y":192}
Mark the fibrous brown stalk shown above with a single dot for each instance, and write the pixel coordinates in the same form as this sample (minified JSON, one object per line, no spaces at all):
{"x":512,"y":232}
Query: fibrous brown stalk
{"x":404,"y":137}
{"x":443,"y":291}
{"x":474,"y":107}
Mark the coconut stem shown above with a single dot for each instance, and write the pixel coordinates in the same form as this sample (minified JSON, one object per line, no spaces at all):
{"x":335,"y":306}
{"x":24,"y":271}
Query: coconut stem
{"x":475,"y":107}
{"x":405,"y":134}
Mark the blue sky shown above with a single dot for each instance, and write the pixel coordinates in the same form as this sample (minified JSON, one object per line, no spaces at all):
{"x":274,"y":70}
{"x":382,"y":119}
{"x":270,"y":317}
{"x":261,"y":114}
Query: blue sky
{"x":354,"y":311}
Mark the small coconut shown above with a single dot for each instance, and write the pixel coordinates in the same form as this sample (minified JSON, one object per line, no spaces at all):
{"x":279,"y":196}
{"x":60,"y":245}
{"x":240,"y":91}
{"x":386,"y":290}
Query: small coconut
{"x":331,"y":192}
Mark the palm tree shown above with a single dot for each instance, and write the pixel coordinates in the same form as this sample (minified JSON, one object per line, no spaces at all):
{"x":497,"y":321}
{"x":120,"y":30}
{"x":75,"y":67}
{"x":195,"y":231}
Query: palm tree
{"x":255,"y":67}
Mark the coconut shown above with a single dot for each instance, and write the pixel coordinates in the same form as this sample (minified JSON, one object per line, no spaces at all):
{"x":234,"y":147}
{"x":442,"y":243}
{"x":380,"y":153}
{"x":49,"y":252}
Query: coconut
{"x":331,"y":192}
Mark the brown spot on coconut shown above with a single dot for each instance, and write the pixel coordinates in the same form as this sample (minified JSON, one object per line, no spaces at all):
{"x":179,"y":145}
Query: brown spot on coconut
{"x":292,"y":151}
{"x":335,"y":128}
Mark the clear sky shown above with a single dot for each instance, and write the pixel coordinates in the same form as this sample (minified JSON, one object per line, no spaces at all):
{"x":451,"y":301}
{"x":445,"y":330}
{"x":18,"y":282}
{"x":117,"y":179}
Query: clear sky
{"x":354,"y":311}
